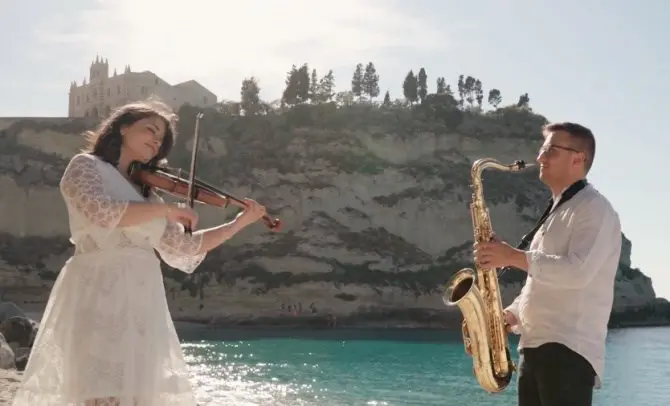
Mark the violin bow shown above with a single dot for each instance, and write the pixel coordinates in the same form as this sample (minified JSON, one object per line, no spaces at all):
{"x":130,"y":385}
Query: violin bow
{"x":190,"y":197}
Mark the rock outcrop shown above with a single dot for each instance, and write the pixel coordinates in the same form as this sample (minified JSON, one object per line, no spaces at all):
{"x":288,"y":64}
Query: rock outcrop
{"x":374,"y":203}
{"x":17,"y":334}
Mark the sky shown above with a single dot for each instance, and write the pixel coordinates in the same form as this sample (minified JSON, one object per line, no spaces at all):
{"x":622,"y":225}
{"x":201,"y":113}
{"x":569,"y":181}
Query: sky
{"x":604,"y":64}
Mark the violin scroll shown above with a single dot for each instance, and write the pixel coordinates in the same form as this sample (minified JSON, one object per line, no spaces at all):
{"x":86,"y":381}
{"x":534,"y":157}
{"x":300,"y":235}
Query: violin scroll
{"x":272,"y":224}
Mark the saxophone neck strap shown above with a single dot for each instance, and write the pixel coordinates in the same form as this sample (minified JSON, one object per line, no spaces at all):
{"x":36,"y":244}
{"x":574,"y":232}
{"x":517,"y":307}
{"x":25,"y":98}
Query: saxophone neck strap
{"x":569,"y":193}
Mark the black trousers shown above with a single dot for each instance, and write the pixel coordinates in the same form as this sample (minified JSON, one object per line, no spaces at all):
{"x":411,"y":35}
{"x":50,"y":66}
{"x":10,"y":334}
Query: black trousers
{"x":554,"y":375}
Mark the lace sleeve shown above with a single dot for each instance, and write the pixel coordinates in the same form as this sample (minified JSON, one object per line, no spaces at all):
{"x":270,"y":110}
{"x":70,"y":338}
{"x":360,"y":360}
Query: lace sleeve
{"x":84,"y":192}
{"x":178,"y":249}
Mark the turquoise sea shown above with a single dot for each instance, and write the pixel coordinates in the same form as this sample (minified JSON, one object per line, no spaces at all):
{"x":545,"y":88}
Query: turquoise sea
{"x":401,"y":367}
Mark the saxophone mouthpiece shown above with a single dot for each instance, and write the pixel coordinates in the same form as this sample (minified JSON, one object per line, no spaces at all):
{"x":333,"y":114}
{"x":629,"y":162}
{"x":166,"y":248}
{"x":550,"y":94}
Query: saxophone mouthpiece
{"x":521,"y":164}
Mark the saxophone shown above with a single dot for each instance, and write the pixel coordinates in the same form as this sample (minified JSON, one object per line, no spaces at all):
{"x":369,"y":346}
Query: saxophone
{"x":479,"y":299}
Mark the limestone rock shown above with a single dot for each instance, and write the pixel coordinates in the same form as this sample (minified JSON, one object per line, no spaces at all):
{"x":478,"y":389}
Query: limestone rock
{"x":374,"y":203}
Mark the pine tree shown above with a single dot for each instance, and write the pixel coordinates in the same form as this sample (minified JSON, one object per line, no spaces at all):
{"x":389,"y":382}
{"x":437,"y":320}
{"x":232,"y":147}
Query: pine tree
{"x":494,"y":98}
{"x":524,"y":100}
{"x":303,"y":84}
{"x":357,"y":81}
{"x":387,"y":100}
{"x":479,"y":93}
{"x":461,"y":90}
{"x":314,"y":87}
{"x":250,"y":101}
{"x":409,"y":87}
{"x":422,"y":85}
{"x":469,"y":90}
{"x":441,"y":85}
{"x":290,"y":94}
{"x":370,"y":83}
{"x":326,"y":86}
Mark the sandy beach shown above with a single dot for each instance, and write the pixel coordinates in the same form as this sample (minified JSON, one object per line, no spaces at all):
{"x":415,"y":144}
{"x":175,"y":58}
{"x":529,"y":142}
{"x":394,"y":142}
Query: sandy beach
{"x":9,"y":384}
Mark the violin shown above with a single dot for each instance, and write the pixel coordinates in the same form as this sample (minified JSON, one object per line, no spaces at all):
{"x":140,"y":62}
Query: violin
{"x":193,"y":189}
{"x":162,"y":179}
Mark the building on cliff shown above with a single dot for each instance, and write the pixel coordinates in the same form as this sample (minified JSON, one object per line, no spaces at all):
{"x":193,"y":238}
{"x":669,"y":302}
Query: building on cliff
{"x":102,"y":93}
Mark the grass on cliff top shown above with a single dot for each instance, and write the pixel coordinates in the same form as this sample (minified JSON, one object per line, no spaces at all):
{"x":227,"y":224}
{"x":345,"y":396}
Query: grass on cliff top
{"x":329,"y":121}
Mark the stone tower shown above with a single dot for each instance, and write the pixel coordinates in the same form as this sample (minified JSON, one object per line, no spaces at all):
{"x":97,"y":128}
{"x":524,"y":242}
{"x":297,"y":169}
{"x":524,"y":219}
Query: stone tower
{"x":99,"y":70}
{"x":99,"y":73}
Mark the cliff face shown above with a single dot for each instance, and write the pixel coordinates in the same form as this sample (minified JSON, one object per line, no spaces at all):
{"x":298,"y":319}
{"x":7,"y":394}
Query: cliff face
{"x":374,"y":204}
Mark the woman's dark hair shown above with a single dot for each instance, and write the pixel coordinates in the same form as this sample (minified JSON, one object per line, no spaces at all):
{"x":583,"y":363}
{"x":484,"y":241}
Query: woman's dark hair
{"x":105,"y":141}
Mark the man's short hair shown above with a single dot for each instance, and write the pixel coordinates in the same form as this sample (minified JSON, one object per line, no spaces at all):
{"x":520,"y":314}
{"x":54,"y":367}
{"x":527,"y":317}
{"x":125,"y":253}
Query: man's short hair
{"x":582,"y":138}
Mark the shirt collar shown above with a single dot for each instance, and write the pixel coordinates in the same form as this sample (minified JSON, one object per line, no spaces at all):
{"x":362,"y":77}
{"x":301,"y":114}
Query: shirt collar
{"x":558,"y":196}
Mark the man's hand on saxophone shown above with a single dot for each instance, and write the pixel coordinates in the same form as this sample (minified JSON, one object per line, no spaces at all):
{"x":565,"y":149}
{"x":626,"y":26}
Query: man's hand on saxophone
{"x":510,"y":321}
{"x":498,"y":254}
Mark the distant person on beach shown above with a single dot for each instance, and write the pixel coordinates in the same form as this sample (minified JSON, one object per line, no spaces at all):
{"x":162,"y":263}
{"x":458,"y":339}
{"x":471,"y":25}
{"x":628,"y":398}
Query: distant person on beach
{"x":106,"y":337}
{"x":571,"y":259}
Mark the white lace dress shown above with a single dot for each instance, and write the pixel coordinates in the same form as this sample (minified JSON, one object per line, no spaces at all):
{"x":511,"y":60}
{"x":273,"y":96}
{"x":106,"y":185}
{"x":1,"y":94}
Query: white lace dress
{"x":106,"y":336}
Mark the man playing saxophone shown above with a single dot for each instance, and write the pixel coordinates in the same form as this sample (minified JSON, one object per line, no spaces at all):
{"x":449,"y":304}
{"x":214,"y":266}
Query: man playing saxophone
{"x":571,"y":260}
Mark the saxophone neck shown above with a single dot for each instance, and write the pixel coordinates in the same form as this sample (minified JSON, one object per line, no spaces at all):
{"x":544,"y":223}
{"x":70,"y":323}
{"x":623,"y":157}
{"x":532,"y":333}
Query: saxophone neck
{"x":490,"y":163}
{"x":485,"y":163}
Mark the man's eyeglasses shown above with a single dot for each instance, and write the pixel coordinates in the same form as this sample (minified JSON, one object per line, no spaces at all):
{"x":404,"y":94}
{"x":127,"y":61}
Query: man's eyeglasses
{"x":550,"y":149}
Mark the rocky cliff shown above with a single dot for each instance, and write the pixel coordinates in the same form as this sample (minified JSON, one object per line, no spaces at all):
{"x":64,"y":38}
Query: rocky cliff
{"x":374,"y":203}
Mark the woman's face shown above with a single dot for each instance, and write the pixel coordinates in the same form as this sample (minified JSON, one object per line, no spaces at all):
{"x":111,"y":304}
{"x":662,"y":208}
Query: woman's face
{"x":142,"y":140}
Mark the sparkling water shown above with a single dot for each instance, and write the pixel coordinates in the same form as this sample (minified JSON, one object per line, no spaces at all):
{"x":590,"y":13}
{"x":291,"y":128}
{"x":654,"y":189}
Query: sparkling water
{"x":400,"y":367}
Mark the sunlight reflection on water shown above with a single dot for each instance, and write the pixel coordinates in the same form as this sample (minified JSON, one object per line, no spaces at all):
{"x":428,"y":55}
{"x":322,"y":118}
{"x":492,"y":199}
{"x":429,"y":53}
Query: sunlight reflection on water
{"x":232,"y":377}
{"x":376,"y":372}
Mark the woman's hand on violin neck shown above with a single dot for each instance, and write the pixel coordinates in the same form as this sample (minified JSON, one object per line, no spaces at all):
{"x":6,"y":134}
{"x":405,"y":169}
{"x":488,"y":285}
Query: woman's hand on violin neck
{"x":213,"y":237}
{"x":252,"y":213}
{"x":182,"y":214}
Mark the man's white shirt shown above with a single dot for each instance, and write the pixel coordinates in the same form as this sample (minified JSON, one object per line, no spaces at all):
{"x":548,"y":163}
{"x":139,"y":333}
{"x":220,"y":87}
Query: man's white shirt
{"x":569,"y":291}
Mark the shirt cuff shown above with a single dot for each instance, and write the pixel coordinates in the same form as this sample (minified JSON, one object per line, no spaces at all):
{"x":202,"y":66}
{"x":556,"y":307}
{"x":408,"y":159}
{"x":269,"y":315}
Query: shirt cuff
{"x":514,"y":309}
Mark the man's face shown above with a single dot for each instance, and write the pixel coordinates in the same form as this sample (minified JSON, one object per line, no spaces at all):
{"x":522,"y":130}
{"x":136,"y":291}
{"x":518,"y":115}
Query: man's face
{"x":558,"y":158}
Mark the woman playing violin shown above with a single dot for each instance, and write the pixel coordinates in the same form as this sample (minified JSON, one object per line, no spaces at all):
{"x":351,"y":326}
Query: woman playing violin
{"x":106,"y":336}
